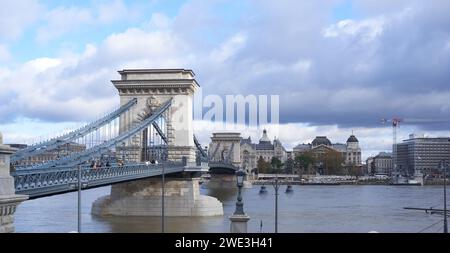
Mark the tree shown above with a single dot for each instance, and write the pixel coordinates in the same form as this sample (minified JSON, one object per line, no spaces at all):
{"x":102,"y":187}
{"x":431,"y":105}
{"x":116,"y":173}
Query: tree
{"x":276,"y":163}
{"x":354,"y":170}
{"x":289,"y":166}
{"x":330,"y":162}
{"x":303,"y":162}
{"x":263,"y":166}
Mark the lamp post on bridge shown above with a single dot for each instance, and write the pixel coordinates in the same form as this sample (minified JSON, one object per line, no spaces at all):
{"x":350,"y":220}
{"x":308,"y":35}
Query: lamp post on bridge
{"x":79,"y":185}
{"x":162,"y":199}
{"x":444,"y":168}
{"x":239,"y":219}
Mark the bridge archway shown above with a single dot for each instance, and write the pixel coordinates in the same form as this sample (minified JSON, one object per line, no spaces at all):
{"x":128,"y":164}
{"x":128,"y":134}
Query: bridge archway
{"x":151,"y":88}
{"x":225,"y":153}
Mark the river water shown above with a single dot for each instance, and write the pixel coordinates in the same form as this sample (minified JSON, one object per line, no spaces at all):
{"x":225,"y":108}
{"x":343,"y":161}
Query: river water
{"x":339,"y":209}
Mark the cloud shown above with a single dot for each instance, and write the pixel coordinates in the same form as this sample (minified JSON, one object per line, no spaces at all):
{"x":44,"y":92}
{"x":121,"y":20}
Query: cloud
{"x":368,"y":30}
{"x":111,"y":11}
{"x":76,"y":87}
{"x":16,"y":16}
{"x":229,"y":48}
{"x":4,"y":53}
{"x":390,"y":60}
{"x":62,"y":20}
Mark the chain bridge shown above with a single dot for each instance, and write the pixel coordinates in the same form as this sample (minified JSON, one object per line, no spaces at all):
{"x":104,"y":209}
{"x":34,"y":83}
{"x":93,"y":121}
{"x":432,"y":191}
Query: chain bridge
{"x":150,"y":134}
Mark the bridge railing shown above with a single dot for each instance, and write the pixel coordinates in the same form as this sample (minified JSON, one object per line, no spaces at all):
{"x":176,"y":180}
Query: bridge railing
{"x":62,"y":179}
{"x":81,"y":157}
{"x":56,"y":142}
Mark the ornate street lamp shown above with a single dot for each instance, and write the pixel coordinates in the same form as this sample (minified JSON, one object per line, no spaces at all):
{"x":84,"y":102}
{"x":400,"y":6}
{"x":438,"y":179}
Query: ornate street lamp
{"x":239,"y":219}
{"x":240,"y":175}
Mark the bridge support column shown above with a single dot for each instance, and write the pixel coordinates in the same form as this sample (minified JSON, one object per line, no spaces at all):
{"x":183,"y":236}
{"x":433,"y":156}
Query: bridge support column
{"x":143,"y":198}
{"x":8,"y":199}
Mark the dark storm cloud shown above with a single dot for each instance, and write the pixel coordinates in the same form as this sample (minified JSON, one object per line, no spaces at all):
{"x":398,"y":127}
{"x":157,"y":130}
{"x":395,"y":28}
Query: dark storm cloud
{"x":393,"y":62}
{"x":391,"y":59}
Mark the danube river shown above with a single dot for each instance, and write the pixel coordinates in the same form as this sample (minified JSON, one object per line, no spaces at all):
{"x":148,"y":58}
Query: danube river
{"x":308,"y":209}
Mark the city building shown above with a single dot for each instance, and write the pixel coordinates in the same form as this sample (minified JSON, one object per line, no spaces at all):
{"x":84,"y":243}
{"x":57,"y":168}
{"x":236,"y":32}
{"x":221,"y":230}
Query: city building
{"x":350,"y":152}
{"x":63,"y":150}
{"x":420,"y":154}
{"x":380,"y":164}
{"x":251,"y":152}
{"x":369,"y":166}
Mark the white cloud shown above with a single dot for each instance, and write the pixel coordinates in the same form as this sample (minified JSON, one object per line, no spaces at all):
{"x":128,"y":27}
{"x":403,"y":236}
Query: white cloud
{"x":111,"y":11}
{"x":4,"y":53}
{"x":62,"y":20}
{"x":323,"y":78}
{"x":229,"y":48}
{"x":367,"y":29}
{"x":159,"y":21}
{"x":16,"y":16}
{"x":66,"y":19}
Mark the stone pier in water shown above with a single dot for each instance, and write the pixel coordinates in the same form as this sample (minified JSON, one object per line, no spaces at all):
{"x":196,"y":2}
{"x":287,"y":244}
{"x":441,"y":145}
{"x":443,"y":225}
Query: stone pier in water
{"x":143,"y":198}
{"x":153,"y":87}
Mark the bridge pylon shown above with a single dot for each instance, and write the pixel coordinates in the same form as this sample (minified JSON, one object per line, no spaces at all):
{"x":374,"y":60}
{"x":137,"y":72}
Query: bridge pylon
{"x":224,"y":160}
{"x":152,"y":87}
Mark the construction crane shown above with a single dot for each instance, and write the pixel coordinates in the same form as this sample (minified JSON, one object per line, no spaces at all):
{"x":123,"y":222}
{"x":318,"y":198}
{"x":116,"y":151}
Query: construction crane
{"x":396,"y":123}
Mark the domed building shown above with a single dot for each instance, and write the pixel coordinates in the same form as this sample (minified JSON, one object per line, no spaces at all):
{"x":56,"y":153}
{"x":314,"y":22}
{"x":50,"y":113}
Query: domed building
{"x":350,"y":152}
{"x":353,"y":151}
{"x":321,"y":140}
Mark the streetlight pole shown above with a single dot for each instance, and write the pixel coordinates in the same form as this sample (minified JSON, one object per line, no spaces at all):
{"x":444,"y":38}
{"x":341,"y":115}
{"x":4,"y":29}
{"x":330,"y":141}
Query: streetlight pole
{"x":79,"y":199}
{"x":445,"y":197}
{"x":276,"y":203}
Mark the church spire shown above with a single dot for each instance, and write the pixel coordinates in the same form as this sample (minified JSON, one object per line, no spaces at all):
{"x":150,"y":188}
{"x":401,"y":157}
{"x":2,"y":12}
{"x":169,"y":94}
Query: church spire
{"x":264,"y":138}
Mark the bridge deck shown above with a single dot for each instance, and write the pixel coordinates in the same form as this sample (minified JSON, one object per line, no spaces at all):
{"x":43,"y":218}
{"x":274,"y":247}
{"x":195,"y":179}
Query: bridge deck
{"x":41,"y":183}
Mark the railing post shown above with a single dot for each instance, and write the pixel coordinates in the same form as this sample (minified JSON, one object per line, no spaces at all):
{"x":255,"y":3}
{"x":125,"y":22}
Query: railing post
{"x":162,"y":199}
{"x":79,"y":199}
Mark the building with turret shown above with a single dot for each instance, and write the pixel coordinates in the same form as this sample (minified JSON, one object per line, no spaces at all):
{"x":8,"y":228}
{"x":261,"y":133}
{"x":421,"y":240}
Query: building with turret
{"x":349,"y":152}
{"x":265,"y":148}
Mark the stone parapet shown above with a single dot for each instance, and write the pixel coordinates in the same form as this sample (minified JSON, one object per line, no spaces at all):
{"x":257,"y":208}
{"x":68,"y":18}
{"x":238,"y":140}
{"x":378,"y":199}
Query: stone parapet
{"x":8,"y":205}
{"x":176,"y":153}
{"x":8,"y":199}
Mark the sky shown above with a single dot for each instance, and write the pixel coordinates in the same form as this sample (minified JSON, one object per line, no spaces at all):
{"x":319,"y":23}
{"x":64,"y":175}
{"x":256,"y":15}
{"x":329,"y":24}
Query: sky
{"x":338,"y":65}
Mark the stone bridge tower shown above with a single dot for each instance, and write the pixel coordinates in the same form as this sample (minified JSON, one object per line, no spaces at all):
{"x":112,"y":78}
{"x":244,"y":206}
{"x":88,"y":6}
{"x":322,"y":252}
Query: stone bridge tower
{"x":224,"y":150}
{"x":226,"y":147}
{"x":152,"y":87}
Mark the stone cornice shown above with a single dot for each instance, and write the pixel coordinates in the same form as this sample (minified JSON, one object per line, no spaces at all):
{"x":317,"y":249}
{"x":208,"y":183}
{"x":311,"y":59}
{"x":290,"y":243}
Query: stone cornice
{"x":5,"y":149}
{"x":8,"y":203}
{"x":157,"y":82}
{"x":159,"y":87}
{"x":133,"y":71}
